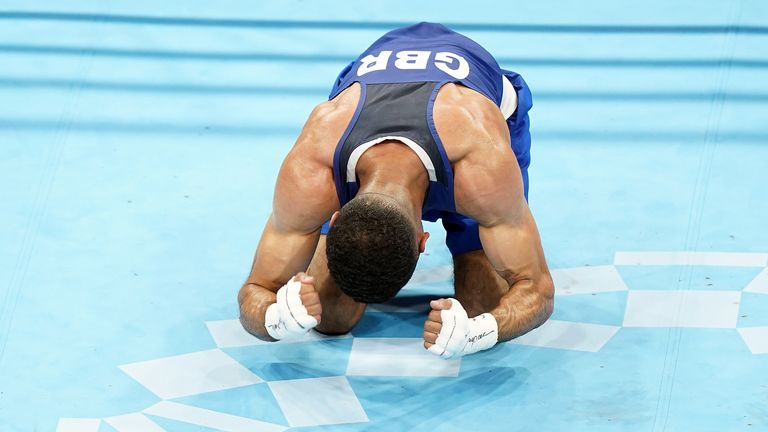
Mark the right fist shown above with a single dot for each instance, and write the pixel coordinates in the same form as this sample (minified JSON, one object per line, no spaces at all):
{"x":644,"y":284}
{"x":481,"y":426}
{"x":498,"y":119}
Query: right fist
{"x":296,"y":311}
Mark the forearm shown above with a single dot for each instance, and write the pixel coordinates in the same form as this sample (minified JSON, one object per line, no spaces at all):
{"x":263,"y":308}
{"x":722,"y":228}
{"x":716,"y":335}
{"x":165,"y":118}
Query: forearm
{"x":254,"y":301}
{"x":524,"y":307}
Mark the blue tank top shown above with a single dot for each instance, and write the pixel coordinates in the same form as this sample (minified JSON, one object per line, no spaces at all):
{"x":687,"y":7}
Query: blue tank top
{"x":399,"y":76}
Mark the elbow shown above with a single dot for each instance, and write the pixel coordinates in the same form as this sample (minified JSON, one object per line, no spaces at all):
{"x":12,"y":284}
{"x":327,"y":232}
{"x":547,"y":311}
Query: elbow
{"x":242,"y":295}
{"x":246,"y":317}
{"x":547,"y":298}
{"x":259,"y":332}
{"x":547,"y":309}
{"x":248,"y":294}
{"x":250,"y":313}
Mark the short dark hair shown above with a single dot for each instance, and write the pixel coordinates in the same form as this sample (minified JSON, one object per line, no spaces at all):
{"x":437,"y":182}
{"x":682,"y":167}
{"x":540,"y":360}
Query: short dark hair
{"x":372,"y":249}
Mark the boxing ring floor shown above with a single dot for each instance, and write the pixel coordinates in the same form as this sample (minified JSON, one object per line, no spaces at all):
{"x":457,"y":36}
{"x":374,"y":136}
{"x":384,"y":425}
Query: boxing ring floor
{"x":138,"y":149}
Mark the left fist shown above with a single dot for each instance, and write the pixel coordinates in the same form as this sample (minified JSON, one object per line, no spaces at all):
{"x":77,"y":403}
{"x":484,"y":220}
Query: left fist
{"x":450,"y":333}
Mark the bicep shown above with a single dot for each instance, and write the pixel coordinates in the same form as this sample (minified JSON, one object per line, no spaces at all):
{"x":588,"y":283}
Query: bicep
{"x":304,"y":199}
{"x":305,"y":195}
{"x":492,"y":194}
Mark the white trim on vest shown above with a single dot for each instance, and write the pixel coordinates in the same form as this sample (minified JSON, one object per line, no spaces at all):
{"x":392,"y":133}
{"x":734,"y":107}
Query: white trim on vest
{"x":508,"y":104}
{"x":358,"y":152}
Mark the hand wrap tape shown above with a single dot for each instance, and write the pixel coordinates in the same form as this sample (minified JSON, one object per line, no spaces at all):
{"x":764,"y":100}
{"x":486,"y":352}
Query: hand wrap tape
{"x":288,"y":318}
{"x":461,"y":335}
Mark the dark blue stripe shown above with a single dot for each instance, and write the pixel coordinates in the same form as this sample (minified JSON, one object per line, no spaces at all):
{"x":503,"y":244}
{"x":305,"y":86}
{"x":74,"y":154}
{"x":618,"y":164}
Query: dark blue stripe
{"x":379,"y":25}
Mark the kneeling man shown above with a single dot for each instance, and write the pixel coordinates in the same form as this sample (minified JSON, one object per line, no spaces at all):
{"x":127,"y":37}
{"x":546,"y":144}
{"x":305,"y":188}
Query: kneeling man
{"x":424,"y":125}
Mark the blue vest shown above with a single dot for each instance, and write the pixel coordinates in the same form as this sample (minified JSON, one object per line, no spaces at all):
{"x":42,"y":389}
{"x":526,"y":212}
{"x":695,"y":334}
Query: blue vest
{"x":399,"y":76}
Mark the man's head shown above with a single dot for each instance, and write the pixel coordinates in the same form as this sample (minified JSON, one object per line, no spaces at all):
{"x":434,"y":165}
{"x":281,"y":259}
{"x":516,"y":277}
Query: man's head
{"x":372,"y":248}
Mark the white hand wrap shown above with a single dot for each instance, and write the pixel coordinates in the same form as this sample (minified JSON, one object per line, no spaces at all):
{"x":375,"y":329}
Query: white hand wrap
{"x":288,"y":318}
{"x":461,"y":335}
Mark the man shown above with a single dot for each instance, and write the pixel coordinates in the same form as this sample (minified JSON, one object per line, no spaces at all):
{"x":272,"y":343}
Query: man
{"x":423,"y":125}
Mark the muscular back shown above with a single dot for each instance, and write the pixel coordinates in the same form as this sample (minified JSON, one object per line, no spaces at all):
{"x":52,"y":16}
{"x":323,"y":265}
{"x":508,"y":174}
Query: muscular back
{"x":473,"y":131}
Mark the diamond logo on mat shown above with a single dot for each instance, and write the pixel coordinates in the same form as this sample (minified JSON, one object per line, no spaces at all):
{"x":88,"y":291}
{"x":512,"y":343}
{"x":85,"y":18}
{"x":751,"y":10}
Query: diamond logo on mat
{"x":214,"y":370}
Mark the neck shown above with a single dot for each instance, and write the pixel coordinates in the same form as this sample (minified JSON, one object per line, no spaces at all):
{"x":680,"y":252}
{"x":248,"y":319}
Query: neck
{"x":401,"y":177}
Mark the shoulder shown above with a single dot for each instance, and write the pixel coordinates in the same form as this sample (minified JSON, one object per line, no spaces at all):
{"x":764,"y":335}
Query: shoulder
{"x":468,"y":122}
{"x":487,"y":181}
{"x":324,"y":128}
{"x":306,"y":175}
{"x":329,"y":119}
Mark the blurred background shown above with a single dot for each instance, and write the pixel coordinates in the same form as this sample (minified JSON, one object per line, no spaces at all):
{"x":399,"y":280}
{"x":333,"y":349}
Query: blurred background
{"x":139,"y":142}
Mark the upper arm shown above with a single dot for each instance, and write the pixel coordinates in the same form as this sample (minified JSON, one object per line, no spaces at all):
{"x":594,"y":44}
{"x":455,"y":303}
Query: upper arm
{"x":304,"y":198}
{"x":489,"y":189}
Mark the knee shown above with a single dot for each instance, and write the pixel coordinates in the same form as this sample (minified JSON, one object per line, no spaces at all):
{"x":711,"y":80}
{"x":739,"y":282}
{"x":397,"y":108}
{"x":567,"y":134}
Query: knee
{"x":334,"y":329}
{"x":341,"y":322}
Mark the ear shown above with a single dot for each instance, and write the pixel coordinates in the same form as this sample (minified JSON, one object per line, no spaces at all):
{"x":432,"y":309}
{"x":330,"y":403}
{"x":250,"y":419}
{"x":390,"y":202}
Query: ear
{"x":333,"y":218}
{"x":423,"y":242}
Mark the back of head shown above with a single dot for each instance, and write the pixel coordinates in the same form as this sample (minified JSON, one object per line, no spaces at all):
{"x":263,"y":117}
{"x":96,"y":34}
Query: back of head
{"x":372,"y":249}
